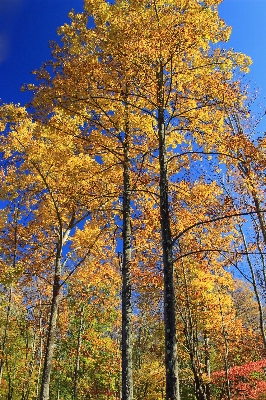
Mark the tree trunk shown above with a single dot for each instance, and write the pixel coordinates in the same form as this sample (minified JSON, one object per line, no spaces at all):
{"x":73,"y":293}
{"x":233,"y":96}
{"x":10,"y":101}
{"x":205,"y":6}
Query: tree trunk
{"x":255,"y":287}
{"x":6,"y":328}
{"x":200,"y":388}
{"x":40,"y":350}
{"x":46,"y":375}
{"x":226,"y":364}
{"x":127,"y":379}
{"x":5,"y":335}
{"x":207,"y":364}
{"x":260,"y":215}
{"x":49,"y":351}
{"x":172,"y":382}
{"x":76,"y":373}
{"x":245,"y":172}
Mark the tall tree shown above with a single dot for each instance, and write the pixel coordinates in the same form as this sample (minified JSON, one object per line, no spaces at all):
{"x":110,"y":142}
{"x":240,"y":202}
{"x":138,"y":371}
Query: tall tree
{"x":57,"y":205}
{"x":177,"y":88}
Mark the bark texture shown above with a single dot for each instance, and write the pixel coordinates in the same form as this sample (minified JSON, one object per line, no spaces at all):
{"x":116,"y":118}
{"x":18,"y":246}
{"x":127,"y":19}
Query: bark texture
{"x":127,"y":379}
{"x":45,"y":386}
{"x":172,"y":382}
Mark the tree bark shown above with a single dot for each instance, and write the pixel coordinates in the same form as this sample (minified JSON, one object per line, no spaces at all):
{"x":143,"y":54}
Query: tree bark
{"x":171,"y":366}
{"x":40,"y":350}
{"x":260,"y":215}
{"x":127,"y":379}
{"x":207,"y":364}
{"x":226,"y":364}
{"x":49,"y":351}
{"x":46,"y":375}
{"x":76,"y":373}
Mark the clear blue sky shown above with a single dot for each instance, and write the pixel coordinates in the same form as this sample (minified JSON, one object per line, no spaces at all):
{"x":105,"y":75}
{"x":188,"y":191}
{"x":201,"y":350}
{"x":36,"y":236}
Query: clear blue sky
{"x":248,"y":21}
{"x":26,"y":26}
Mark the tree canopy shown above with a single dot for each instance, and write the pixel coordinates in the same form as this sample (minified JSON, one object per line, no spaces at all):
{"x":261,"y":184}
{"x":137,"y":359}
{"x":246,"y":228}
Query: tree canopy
{"x":132,"y":230}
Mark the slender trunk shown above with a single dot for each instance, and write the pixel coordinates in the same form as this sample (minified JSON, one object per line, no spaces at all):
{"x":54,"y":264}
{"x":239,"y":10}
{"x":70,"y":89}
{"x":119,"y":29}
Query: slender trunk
{"x":226,"y":364}
{"x":46,"y":375}
{"x":256,"y":290}
{"x":245,"y":171}
{"x":5,"y":336}
{"x":171,"y":366}
{"x":49,"y":351}
{"x":31,"y":366}
{"x":192,"y":344}
{"x":259,"y":213}
{"x":41,"y":351}
{"x":28,"y":361}
{"x":59,"y":387}
{"x":14,"y":258}
{"x":207,"y":364}
{"x":10,"y":381}
{"x":260,"y":216}
{"x":263,"y":276}
{"x":263,"y":231}
{"x":228,"y":390}
{"x":76,"y":373}
{"x":127,"y":379}
{"x":200,"y":387}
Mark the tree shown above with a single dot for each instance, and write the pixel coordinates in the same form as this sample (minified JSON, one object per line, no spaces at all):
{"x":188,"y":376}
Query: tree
{"x":137,"y":97}
{"x":247,"y":380}
{"x":174,"y":81}
{"x":244,"y":160}
{"x":55,"y":205}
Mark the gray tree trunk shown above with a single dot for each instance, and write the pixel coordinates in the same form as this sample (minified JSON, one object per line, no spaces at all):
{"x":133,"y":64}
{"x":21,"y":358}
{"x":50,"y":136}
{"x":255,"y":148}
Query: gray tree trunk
{"x":171,"y":365}
{"x":226,"y":363}
{"x":40,"y":350}
{"x":49,"y":351}
{"x":46,"y":375}
{"x":127,"y":379}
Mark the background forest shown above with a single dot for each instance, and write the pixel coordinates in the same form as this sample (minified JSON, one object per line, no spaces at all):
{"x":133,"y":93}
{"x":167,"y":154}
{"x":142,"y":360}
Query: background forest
{"x":132,"y":229}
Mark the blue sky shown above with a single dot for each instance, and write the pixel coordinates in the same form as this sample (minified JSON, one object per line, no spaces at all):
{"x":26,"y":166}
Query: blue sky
{"x":26,"y":26}
{"x":247,"y":18}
